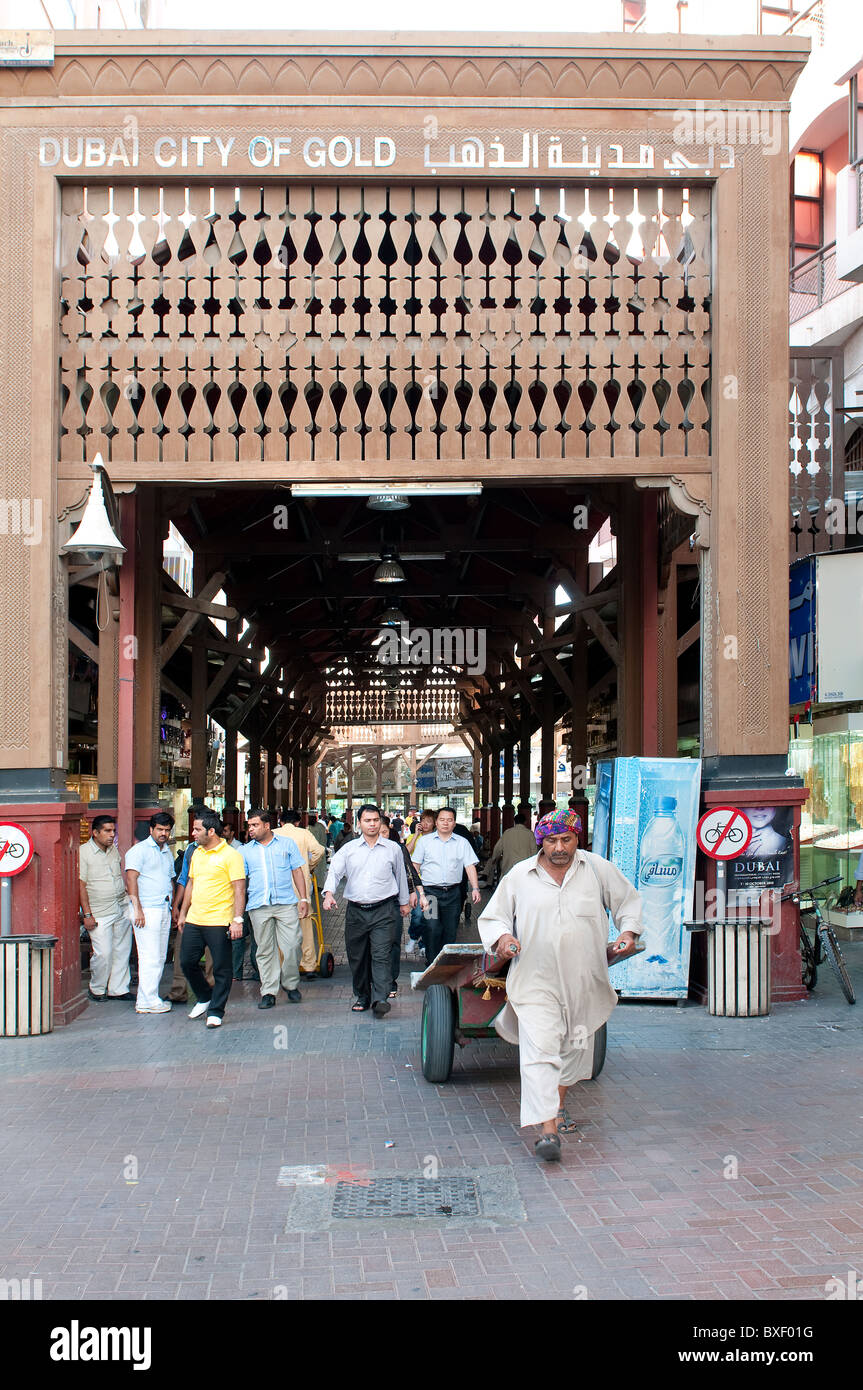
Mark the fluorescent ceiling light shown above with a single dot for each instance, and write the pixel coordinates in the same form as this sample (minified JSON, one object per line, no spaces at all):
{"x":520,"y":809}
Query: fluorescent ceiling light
{"x":366,"y":557}
{"x":453,"y":489}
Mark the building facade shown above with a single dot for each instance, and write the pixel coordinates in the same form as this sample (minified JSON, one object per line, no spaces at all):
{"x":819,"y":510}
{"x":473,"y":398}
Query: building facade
{"x":517,"y":273}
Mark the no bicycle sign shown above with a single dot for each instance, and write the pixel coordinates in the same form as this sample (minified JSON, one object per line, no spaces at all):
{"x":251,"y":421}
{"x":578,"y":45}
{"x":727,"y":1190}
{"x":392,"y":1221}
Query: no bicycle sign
{"x":16,"y":849}
{"x":724,"y":832}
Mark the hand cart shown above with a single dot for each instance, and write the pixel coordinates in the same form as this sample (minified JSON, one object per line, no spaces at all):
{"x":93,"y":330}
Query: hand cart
{"x":325,"y":964}
{"x":465,"y":990}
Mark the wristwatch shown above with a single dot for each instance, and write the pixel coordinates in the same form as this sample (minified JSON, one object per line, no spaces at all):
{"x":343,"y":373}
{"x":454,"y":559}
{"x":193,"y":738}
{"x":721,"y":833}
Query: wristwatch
{"x":304,"y":900}
{"x":238,"y":920}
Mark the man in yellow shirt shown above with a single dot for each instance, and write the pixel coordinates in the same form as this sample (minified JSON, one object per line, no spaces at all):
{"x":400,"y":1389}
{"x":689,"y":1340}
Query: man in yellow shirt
{"x":312,"y":853}
{"x":211,"y":915}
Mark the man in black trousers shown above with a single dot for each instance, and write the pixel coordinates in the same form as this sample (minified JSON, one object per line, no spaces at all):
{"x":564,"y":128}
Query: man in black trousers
{"x":376,"y":889}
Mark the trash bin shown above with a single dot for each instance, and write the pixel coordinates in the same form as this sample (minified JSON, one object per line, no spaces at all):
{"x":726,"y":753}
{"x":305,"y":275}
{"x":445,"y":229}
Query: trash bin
{"x":26,"y":985}
{"x":738,"y":969}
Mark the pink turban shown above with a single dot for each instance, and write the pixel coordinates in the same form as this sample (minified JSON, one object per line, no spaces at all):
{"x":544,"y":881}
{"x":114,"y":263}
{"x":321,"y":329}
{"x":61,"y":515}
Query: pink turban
{"x":557,"y":823}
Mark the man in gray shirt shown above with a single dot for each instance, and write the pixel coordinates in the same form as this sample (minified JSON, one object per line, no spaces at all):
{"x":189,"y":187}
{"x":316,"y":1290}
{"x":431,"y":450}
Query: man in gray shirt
{"x":376,"y":889}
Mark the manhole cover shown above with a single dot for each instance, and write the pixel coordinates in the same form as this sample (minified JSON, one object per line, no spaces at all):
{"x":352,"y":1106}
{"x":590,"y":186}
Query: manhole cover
{"x":406,"y":1196}
{"x":322,"y":1198}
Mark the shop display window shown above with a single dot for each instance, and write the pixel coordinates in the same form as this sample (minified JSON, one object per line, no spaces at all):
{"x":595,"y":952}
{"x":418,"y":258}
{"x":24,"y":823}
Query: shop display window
{"x":828,"y":756}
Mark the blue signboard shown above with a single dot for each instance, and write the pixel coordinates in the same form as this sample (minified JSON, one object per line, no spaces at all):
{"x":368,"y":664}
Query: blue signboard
{"x":425,"y":778}
{"x":801,"y":631}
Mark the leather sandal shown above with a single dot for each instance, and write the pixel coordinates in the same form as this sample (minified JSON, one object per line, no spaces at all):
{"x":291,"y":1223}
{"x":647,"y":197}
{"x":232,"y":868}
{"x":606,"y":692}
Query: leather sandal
{"x":565,"y":1123}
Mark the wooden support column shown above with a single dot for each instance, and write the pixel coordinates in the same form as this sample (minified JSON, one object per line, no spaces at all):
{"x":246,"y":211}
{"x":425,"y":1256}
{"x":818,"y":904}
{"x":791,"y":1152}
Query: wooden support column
{"x":296,"y":779}
{"x":147,"y":646}
{"x":548,"y":765}
{"x":198,"y":778}
{"x":667,"y":647}
{"x":524,"y":761}
{"x":126,"y":681}
{"x":648,"y":589}
{"x":254,"y":773}
{"x":629,"y":685}
{"x":106,"y":728}
{"x":379,"y":776}
{"x":578,"y":677}
{"x":484,"y":786}
{"x":494,"y":818}
{"x":508,"y":810}
{"x":230,"y":767}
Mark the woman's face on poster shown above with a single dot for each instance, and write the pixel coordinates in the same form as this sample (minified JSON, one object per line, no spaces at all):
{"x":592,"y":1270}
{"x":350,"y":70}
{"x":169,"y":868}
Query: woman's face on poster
{"x":760,"y":816}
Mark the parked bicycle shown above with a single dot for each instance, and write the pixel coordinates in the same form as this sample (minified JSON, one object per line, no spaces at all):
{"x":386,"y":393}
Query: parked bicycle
{"x":823,"y":943}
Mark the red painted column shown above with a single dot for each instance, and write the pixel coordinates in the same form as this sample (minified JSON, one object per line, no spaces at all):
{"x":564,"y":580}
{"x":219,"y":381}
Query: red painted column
{"x":786,"y":967}
{"x":45,"y":896}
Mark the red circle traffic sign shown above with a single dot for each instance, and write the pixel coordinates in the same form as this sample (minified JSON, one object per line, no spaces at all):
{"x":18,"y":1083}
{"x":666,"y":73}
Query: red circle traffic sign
{"x":724,"y":832}
{"x":16,"y":849}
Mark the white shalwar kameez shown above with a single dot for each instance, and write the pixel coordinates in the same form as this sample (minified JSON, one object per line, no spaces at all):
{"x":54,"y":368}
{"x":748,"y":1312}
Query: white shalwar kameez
{"x":558,"y":989}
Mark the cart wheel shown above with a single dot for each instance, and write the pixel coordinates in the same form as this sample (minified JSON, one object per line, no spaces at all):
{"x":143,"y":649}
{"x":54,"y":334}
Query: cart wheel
{"x":327,"y":966}
{"x":600,"y":1043}
{"x":438,"y":1033}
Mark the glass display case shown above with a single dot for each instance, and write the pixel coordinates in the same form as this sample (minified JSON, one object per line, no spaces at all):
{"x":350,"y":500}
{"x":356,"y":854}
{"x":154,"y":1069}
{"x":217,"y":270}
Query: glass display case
{"x":828,"y":756}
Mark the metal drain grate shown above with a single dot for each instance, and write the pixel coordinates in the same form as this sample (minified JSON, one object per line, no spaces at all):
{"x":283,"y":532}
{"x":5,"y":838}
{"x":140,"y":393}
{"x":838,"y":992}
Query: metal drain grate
{"x":412,"y":1197}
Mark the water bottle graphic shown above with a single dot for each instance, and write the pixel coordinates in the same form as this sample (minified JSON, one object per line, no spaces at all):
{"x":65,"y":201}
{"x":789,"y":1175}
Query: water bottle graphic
{"x":660,"y":883}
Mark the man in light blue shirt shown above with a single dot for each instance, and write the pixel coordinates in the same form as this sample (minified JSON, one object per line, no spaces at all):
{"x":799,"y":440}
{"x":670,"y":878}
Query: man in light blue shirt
{"x":376,"y":887}
{"x":441,"y":858}
{"x":275,"y":903}
{"x":149,"y":881}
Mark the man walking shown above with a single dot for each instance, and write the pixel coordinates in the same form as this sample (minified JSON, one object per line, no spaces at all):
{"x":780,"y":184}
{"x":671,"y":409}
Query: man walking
{"x":276,"y":889}
{"x":102,"y":894}
{"x":515,"y":844}
{"x":211,"y":915}
{"x":558,"y":990}
{"x":149,"y":878}
{"x":312,"y":853}
{"x":442,"y":858}
{"x":376,"y":888}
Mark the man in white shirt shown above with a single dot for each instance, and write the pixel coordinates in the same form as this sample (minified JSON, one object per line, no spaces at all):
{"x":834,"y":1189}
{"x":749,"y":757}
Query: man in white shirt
{"x":442,"y":858}
{"x":376,"y":889}
{"x":558,"y":990}
{"x":150,"y":880}
{"x":106,"y":913}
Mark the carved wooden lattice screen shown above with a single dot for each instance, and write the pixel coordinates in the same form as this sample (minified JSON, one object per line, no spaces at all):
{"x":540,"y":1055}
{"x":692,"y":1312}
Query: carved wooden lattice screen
{"x":312,"y":324}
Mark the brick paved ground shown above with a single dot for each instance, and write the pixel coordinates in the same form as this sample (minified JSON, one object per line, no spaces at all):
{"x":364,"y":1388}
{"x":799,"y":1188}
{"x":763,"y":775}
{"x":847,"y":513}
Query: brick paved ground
{"x":639,"y":1206}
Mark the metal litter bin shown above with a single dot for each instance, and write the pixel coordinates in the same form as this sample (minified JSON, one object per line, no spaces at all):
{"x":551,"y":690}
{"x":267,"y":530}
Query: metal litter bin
{"x":738,"y":968}
{"x":26,"y":985}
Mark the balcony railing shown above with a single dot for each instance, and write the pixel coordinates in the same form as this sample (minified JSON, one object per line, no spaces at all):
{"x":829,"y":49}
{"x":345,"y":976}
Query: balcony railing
{"x":814,"y":281}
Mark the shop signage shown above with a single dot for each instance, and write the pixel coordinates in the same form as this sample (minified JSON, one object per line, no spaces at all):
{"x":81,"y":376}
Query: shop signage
{"x":22,"y":48}
{"x":801,"y":632}
{"x":421,"y":150}
{"x":839,"y":623}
